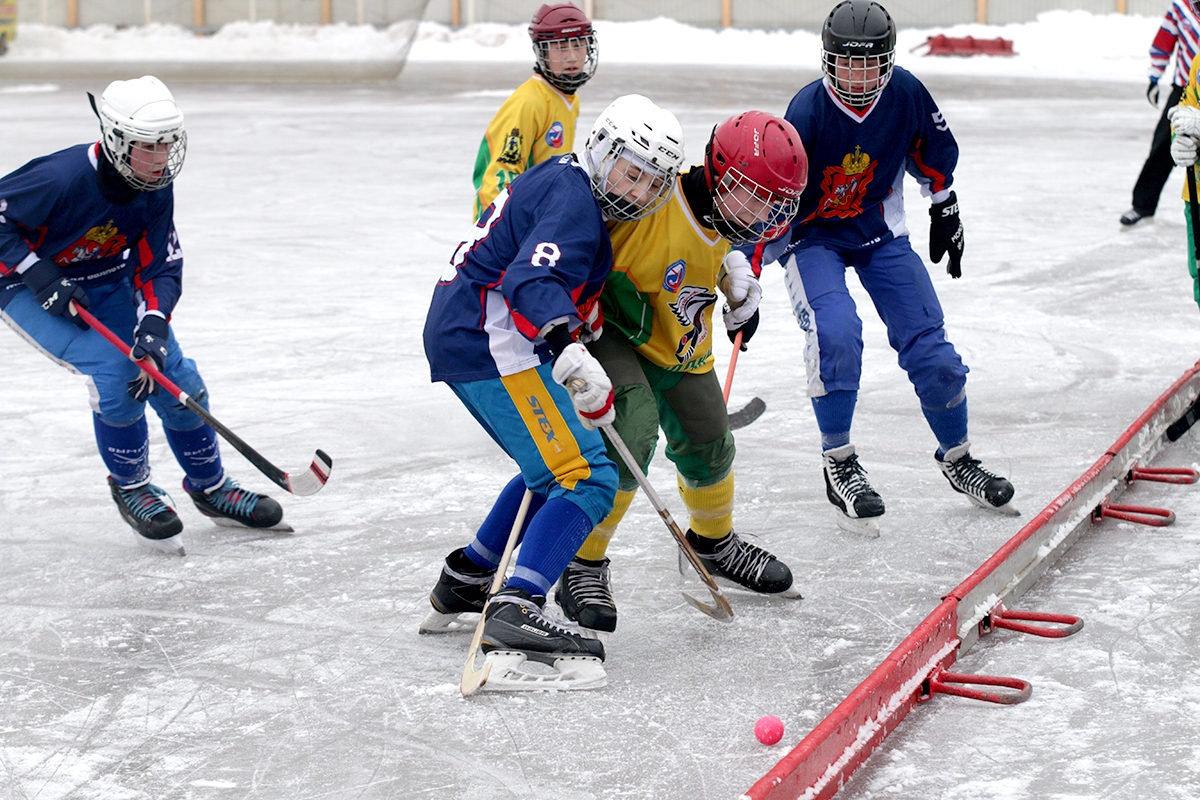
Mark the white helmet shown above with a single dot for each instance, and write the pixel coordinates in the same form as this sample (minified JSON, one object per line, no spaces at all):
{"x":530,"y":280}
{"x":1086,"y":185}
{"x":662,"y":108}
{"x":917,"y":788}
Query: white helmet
{"x":634,"y":154}
{"x":141,"y":116}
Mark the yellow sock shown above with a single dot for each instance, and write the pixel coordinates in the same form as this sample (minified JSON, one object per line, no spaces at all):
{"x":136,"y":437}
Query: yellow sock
{"x":596,"y":544}
{"x":710,"y":507}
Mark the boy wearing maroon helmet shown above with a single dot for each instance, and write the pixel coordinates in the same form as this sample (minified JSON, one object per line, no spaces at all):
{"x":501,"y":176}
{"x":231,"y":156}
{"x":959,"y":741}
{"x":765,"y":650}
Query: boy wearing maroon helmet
{"x":537,"y":121}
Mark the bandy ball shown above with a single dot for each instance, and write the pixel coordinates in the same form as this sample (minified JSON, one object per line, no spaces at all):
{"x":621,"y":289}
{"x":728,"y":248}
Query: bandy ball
{"x":769,"y":729}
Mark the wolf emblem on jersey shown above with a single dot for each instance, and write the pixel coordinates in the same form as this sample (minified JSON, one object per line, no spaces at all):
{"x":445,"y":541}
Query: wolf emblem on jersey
{"x":99,"y":242}
{"x":844,"y":186}
{"x":689,"y":310}
{"x":511,"y":154}
{"x":555,"y":136}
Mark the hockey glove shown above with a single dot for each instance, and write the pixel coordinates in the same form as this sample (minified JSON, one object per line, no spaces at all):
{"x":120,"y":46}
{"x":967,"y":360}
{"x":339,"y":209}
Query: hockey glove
{"x":1152,"y":92}
{"x":1185,"y":120}
{"x":946,"y":235}
{"x":747,"y":328}
{"x":54,"y":291}
{"x":593,"y":324}
{"x":149,"y":342}
{"x":739,"y":283}
{"x":585,"y":379}
{"x":1183,"y":150}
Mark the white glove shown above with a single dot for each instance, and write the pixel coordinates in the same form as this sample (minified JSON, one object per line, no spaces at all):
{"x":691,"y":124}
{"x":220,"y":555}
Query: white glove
{"x":1183,"y":150}
{"x":1185,"y":120}
{"x":591,"y":391}
{"x":593,"y":326}
{"x":741,"y":289}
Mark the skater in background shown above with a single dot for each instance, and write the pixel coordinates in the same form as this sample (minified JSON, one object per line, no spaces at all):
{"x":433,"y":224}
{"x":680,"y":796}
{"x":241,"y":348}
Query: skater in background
{"x":93,"y":225}
{"x":657,"y":348}
{"x":863,"y":125}
{"x":1179,"y":33}
{"x":537,"y":121}
{"x":505,"y":331}
{"x":1185,"y":124}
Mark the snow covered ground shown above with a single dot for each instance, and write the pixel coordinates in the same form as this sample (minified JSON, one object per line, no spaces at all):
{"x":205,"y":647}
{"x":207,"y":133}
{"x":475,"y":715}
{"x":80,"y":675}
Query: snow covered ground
{"x":314,"y":221}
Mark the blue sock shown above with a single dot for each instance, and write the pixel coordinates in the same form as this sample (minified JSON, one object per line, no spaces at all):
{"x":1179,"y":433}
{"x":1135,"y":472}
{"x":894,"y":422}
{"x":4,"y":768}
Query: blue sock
{"x":949,"y":425}
{"x":835,"y":413}
{"x":198,"y":453}
{"x":492,"y":535}
{"x":552,"y":540}
{"x":125,"y":450}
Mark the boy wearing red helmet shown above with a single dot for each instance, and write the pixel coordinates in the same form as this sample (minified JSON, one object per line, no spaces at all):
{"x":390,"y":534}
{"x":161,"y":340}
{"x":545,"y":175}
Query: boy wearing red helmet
{"x":657,"y":347}
{"x":537,"y":121}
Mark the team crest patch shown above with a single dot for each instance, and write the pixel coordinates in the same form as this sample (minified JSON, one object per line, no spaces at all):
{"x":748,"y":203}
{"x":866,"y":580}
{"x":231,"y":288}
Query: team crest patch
{"x":844,"y":186}
{"x":511,"y":154}
{"x":555,"y":136}
{"x":674,"y":277}
{"x":99,"y":242}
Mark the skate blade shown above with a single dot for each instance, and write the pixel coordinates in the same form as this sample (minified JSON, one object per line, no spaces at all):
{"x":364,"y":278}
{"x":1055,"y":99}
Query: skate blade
{"x":437,"y":622}
{"x":172,"y":545}
{"x":864,"y":526}
{"x":1005,"y":510}
{"x":226,"y":522}
{"x":509,"y":673}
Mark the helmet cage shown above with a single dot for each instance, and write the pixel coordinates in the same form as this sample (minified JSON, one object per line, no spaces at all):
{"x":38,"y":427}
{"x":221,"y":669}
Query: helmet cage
{"x":612,"y":164}
{"x":141,"y":132}
{"x":745,"y":212}
{"x":567,"y":81}
{"x":858,"y":80}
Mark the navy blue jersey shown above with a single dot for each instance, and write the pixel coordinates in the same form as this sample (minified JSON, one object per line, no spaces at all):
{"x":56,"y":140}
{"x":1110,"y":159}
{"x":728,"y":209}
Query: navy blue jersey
{"x":539,"y":253}
{"x":52,"y":209}
{"x":857,"y":161}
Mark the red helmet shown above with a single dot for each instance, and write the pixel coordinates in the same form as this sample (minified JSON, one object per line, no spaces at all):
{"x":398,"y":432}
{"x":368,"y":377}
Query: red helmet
{"x":567,"y":31}
{"x":756,"y":168}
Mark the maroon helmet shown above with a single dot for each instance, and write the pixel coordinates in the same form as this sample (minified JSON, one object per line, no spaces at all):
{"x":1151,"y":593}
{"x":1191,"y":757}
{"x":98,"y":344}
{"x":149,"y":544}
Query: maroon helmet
{"x":756,"y":168}
{"x":564,"y":45}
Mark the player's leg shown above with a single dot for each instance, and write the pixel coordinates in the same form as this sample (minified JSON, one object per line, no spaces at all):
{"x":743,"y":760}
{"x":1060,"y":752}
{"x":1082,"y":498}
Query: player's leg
{"x":899,"y":285}
{"x":701,"y":446}
{"x":825,"y":311}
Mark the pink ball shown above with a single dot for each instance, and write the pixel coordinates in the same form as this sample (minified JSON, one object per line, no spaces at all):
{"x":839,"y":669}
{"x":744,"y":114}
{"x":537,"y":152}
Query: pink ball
{"x":769,"y":729}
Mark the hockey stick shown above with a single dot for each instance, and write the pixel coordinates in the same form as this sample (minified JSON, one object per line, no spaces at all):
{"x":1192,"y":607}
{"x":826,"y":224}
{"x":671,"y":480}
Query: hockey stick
{"x":755,"y":408}
{"x":719,"y":609}
{"x":302,"y":483}
{"x":1194,"y":210}
{"x":474,"y":679}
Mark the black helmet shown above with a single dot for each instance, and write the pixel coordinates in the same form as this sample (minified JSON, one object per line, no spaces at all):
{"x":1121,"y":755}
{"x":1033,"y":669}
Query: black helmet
{"x":860,"y":37}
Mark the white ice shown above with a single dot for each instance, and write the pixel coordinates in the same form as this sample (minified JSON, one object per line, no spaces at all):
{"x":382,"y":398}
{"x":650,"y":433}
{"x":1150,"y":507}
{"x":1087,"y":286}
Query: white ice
{"x":314,"y":221}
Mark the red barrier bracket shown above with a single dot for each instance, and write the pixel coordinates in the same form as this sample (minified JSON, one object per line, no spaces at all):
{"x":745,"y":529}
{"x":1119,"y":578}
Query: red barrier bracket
{"x":1178,"y":475}
{"x":941,"y":682}
{"x":1142,"y":515}
{"x":1013,"y":620}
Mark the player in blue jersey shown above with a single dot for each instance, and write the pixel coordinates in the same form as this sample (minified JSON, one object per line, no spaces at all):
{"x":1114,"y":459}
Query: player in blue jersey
{"x":506,"y":331}
{"x":863,"y":125}
{"x":93,"y":225}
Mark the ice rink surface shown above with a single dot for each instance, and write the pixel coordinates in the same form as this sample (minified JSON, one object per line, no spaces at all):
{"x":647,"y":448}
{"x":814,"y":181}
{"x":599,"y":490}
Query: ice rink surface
{"x":314,"y":222}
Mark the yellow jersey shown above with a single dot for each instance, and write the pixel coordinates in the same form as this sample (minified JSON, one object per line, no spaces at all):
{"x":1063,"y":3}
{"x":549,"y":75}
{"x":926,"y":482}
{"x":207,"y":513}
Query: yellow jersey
{"x":535,"y":123}
{"x":662,"y":288}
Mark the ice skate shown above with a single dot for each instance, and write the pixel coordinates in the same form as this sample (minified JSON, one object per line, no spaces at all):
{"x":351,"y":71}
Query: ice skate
{"x":151,"y":513}
{"x":529,"y":652}
{"x":980,"y":486}
{"x":1133,"y":217}
{"x":230,"y":506}
{"x":734,"y":562}
{"x":584,"y":594}
{"x":462,"y":589}
{"x":858,"y":506}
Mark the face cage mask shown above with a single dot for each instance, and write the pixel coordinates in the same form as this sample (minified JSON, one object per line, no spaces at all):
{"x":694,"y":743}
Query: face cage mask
{"x":859,"y":69}
{"x":619,"y":207}
{"x":174,"y":163}
{"x":564,"y":81}
{"x":770,"y":213}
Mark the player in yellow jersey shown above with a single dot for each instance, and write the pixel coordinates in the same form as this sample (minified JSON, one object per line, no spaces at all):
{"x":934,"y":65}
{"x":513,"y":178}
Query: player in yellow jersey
{"x":537,"y":121}
{"x":1185,"y":125}
{"x":657,"y":347}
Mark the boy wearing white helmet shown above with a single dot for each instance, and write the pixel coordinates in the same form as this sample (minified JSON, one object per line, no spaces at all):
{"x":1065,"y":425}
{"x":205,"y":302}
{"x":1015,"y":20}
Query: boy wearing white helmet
{"x":93,"y":226}
{"x":505,"y":331}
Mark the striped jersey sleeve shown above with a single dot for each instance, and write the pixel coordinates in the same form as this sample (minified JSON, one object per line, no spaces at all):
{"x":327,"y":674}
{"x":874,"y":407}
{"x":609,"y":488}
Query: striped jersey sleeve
{"x":1179,"y":31}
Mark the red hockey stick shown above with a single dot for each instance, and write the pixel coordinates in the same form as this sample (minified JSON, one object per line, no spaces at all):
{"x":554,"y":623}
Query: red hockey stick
{"x":755,"y":408}
{"x":302,"y":483}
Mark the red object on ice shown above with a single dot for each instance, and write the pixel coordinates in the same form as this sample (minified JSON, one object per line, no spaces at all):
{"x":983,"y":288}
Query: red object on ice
{"x":966,"y":46}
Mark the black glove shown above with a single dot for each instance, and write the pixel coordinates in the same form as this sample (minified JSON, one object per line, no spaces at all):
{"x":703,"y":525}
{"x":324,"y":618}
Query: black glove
{"x":946,"y":234}
{"x":1152,"y":93}
{"x":55,"y":291}
{"x":149,"y":341}
{"x":747,"y":330}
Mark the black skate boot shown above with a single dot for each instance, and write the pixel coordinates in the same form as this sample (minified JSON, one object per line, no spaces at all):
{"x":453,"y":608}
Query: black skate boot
{"x":462,"y":588}
{"x":149,"y":512}
{"x":230,"y":505}
{"x":742,"y":564}
{"x":859,"y":506}
{"x":585,"y":595}
{"x":516,"y":629}
{"x":981,"y":487}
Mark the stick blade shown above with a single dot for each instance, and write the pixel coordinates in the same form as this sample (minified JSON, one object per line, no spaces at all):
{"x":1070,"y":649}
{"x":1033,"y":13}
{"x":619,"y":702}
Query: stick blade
{"x":753,"y":410}
{"x":313,"y":479}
